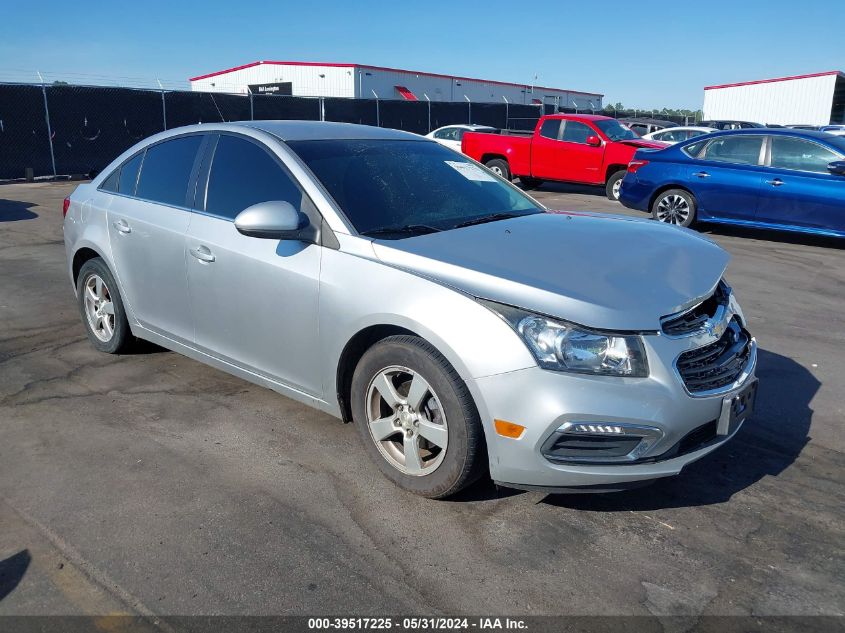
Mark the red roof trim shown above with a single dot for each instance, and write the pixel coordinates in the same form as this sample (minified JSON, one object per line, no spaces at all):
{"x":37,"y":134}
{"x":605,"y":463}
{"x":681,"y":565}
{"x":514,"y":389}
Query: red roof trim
{"x":394,"y":70}
{"x":768,"y":81}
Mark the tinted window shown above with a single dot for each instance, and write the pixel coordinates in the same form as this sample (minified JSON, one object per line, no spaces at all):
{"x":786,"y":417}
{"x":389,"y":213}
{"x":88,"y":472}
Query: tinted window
{"x":110,"y":183}
{"x":244,"y":174}
{"x":129,"y":175}
{"x":574,"y":132}
{"x":614,"y":130}
{"x":796,"y":153}
{"x":550,"y":128}
{"x":449,"y":134}
{"x":381,"y":184}
{"x":693,"y":149}
{"x":739,"y":149}
{"x":638,"y":128}
{"x":167,"y":170}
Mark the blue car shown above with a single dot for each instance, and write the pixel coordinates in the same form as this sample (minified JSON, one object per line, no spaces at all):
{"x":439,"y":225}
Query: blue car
{"x":793,"y":180}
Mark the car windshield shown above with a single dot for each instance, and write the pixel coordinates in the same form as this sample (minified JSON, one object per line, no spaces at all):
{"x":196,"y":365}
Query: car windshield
{"x":398,"y":188}
{"x":615,"y":131}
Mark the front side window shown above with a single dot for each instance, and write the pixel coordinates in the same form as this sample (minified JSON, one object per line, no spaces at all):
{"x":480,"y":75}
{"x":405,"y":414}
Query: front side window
{"x":243,"y":174}
{"x":550,"y":128}
{"x":739,"y":149}
{"x":615,"y":131}
{"x":393,"y":187}
{"x":800,"y":155}
{"x":167,"y":170}
{"x":574,"y":132}
{"x":129,"y":175}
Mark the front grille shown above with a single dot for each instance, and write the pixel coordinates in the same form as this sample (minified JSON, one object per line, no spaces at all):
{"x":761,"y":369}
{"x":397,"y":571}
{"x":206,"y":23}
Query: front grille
{"x":693,"y":320}
{"x":718,"y":364}
{"x":698,"y":438}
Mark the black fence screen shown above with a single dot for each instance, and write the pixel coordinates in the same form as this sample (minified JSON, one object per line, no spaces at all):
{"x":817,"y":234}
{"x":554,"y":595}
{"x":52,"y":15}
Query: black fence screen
{"x":77,"y":130}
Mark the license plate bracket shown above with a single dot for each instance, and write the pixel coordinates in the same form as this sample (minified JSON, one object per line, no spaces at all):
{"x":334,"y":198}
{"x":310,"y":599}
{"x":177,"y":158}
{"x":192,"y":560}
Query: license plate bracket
{"x":737,"y":408}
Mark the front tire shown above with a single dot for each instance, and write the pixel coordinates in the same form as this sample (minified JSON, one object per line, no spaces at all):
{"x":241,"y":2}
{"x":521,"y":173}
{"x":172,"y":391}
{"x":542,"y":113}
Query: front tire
{"x":674,"y":206}
{"x":499,"y":167}
{"x":613,"y":185}
{"x":530,"y":183}
{"x":102,"y":308}
{"x":416,"y":418}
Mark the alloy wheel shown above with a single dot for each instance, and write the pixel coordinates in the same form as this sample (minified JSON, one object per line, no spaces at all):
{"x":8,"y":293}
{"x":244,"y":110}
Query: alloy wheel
{"x":99,"y":308}
{"x":617,"y":186}
{"x":673,"y":209}
{"x":406,"y":421}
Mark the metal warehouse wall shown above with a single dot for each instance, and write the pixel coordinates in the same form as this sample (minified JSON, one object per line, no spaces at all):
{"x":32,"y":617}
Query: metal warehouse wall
{"x":308,"y":81}
{"x":794,"y":101}
{"x":437,"y":88}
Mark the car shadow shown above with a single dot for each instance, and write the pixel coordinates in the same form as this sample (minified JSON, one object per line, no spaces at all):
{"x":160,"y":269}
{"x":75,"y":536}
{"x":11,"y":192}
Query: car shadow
{"x":12,"y":571}
{"x":771,"y":235}
{"x":768,"y":443}
{"x":564,"y":187}
{"x":14,"y":210}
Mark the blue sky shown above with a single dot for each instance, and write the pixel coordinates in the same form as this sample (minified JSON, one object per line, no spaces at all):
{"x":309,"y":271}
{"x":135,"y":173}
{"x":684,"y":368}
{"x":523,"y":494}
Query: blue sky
{"x":644,"y":54}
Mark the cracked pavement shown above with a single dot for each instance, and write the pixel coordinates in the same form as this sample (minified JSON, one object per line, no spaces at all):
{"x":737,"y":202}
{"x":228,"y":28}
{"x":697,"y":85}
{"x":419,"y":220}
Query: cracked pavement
{"x":151,"y":484}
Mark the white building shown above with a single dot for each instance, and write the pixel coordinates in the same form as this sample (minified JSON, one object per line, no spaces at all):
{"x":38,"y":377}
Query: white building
{"x":817,"y":99}
{"x":312,"y":79}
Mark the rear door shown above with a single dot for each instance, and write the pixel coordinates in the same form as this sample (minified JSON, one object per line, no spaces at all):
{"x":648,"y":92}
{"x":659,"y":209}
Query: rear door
{"x":147,"y":222}
{"x":727,"y":175}
{"x":546,"y":159}
{"x":798,"y":190}
{"x":254,"y":300}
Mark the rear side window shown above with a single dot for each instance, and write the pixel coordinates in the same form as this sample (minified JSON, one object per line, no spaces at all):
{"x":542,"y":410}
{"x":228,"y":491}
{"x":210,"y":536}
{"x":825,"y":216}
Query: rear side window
{"x":574,"y":132}
{"x":167,"y":170}
{"x":110,"y":183}
{"x":801,"y":155}
{"x":449,"y":134}
{"x":740,"y":149}
{"x":129,"y":175}
{"x":244,"y":174}
{"x":694,"y":149}
{"x":550,"y":128}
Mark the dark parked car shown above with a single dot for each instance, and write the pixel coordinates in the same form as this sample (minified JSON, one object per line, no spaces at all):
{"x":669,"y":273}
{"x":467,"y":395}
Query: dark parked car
{"x":644,"y":125}
{"x":730,"y":125}
{"x":785,"y":179}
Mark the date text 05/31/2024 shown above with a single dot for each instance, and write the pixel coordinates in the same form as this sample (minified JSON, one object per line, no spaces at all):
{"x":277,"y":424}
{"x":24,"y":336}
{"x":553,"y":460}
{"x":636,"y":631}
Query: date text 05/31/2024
{"x":418,"y":623}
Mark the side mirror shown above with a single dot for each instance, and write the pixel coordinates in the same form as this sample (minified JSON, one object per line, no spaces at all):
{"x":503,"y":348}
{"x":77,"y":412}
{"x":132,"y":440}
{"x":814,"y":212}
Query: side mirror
{"x":837,"y":167}
{"x":593,"y":140}
{"x":275,"y":220}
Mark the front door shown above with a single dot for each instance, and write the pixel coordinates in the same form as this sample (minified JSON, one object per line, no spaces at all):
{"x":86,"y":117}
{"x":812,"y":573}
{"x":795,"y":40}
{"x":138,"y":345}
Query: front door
{"x":254,"y":300}
{"x":147,"y":222}
{"x":798,"y":190}
{"x":580,"y":162}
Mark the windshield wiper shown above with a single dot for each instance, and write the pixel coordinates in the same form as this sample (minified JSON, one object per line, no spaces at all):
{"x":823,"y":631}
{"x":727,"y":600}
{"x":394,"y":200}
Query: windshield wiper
{"x":407,"y":229}
{"x":488,"y":218}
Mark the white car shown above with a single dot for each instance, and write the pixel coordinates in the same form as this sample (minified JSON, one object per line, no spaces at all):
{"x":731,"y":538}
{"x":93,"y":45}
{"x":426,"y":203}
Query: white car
{"x":674,"y":135}
{"x":451,"y":135}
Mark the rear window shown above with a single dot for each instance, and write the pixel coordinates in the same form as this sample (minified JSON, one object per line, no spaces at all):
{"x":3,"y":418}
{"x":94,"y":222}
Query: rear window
{"x":383,"y":184}
{"x":167,"y":170}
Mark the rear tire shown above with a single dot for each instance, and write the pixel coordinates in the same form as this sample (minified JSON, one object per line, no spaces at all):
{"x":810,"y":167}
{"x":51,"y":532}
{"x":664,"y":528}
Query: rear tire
{"x":499,"y":167}
{"x":102,"y":308}
{"x":613,"y":184}
{"x":530,"y":183}
{"x":674,"y":206}
{"x":431,"y":443}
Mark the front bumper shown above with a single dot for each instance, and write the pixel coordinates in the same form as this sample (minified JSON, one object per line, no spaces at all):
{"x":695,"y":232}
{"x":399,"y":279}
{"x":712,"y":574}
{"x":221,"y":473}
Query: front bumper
{"x":543,"y":401}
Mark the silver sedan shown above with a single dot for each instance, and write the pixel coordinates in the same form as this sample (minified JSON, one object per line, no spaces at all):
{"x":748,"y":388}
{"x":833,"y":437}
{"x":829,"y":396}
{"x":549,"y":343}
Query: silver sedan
{"x":393,"y":283}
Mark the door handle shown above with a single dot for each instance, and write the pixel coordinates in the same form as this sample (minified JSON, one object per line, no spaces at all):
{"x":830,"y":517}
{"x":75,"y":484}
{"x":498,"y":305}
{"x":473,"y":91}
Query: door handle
{"x":777,"y":182}
{"x":702,"y":174}
{"x":203,"y":254}
{"x":122,"y":226}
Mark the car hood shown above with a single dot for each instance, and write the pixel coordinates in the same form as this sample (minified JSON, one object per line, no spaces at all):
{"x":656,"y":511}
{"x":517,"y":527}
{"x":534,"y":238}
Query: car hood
{"x":644,"y":143}
{"x":601,"y":271}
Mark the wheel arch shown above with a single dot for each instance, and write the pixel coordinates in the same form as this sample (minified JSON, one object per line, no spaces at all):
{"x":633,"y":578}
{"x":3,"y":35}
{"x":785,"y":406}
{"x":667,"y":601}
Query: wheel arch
{"x":491,"y":156}
{"x":663,"y":188}
{"x":612,"y":169}
{"x":82,"y":255}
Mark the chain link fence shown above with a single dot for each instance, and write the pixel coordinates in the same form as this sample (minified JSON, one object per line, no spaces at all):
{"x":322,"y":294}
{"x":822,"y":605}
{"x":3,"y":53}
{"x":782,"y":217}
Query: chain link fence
{"x":49,"y":130}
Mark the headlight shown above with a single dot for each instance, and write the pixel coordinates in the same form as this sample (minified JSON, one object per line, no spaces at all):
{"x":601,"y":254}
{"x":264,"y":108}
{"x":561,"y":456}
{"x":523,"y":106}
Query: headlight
{"x":562,"y":346}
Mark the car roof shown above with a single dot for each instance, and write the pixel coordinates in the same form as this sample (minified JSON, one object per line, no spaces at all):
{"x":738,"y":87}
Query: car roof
{"x":586,"y":117}
{"x":642,"y":119}
{"x":325,"y":130}
{"x":776,"y":131}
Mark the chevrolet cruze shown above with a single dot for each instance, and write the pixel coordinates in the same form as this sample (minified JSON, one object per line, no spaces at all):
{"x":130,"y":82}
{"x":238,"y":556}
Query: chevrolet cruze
{"x":396,"y":284}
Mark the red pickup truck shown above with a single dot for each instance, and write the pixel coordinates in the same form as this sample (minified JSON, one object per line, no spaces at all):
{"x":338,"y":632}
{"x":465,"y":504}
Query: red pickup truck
{"x":582,"y":148}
